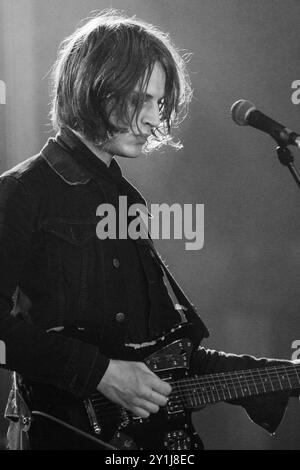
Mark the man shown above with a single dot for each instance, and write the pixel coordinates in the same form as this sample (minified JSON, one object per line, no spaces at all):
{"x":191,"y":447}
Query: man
{"x":69,"y":300}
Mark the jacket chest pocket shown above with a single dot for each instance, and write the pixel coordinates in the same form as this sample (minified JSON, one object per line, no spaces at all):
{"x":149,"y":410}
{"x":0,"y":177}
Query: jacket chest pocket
{"x":69,"y":246}
{"x":70,"y":252}
{"x":76,"y":233}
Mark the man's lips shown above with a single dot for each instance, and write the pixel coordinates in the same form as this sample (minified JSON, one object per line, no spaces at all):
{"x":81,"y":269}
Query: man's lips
{"x":142,"y":140}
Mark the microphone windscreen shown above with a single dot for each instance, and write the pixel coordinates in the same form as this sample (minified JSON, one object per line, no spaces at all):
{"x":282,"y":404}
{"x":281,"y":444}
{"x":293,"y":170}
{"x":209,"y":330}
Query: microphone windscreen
{"x":240,"y":111}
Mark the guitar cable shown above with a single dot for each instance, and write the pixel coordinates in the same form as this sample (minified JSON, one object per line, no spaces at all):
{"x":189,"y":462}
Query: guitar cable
{"x":72,"y":428}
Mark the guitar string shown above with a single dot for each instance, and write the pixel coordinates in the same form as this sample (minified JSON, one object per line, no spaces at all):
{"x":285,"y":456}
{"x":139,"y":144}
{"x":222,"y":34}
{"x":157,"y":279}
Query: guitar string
{"x":193,"y":400}
{"x":194,"y":394}
{"x":214,"y":392}
{"x":197,"y":399}
{"x":223,"y":378}
{"x":242,"y":382}
{"x":263,"y":371}
{"x":248,"y":379}
{"x":212,"y":387}
{"x":282,"y":373}
{"x":236,"y":387}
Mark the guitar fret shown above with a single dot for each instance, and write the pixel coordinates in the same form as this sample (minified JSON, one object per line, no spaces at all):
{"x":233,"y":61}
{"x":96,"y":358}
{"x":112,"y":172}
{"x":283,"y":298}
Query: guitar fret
{"x":278,"y":379}
{"x":284,"y":380}
{"x":264,"y":381}
{"x":208,"y":393}
{"x":297,"y":374}
{"x":294,"y":382}
{"x":259,"y":382}
{"x":210,"y":398}
{"x":270,"y":381}
{"x":193,"y":396}
{"x":288,"y":377}
{"x":201,"y":390}
{"x":213,"y":390}
{"x":295,"y":378}
{"x":232,"y":389}
{"x":222,"y":390}
{"x":225,"y":387}
{"x":203,"y":400}
{"x":239,"y":383}
{"x":247,"y":385}
{"x":256,"y":389}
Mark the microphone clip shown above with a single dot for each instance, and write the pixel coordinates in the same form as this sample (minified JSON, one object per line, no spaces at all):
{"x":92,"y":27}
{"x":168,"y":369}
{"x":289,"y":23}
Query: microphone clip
{"x":286,"y":158}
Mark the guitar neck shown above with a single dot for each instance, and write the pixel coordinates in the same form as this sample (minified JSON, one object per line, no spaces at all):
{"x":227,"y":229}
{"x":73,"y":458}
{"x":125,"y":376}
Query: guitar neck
{"x":212,"y":388}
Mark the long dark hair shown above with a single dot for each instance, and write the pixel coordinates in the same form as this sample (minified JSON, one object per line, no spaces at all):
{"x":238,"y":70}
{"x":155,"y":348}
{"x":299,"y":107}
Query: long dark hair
{"x":99,"y":66}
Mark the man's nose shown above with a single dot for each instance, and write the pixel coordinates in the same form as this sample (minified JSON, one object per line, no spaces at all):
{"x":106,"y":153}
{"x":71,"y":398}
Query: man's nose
{"x":151,"y":116}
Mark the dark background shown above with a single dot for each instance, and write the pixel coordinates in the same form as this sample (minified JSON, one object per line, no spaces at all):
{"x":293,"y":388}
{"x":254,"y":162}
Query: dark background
{"x":245,"y":281}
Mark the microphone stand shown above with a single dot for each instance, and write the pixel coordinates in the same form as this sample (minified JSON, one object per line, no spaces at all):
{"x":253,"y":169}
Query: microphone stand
{"x":287,"y":159}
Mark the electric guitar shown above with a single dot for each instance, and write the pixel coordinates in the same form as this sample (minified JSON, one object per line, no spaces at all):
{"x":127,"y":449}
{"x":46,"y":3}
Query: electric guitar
{"x":171,"y":428}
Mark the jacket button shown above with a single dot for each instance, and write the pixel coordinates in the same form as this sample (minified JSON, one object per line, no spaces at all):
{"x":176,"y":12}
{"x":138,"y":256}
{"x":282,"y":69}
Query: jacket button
{"x":120,"y":317}
{"x":116,"y":263}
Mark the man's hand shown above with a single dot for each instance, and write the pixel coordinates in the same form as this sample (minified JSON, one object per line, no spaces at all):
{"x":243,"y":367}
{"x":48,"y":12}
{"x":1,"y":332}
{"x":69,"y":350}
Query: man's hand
{"x":135,"y":387}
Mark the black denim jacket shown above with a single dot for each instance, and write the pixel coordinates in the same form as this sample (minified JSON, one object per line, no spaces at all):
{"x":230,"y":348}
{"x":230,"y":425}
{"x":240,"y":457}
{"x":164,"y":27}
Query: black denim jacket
{"x":49,"y":251}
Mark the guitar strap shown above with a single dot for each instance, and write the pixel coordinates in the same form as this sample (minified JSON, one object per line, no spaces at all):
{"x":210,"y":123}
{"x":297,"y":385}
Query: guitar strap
{"x":183,"y":302}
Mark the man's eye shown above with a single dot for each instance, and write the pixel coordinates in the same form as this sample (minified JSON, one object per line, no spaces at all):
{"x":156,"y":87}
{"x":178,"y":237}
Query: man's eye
{"x":134,"y":100}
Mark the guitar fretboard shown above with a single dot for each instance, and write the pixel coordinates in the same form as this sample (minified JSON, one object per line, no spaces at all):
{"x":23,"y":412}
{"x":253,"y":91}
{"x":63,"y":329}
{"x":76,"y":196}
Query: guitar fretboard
{"x":212,"y":388}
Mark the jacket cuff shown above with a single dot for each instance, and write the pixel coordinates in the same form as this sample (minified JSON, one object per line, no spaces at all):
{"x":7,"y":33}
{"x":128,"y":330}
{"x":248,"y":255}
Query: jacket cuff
{"x":85,"y":369}
{"x":97,"y":372}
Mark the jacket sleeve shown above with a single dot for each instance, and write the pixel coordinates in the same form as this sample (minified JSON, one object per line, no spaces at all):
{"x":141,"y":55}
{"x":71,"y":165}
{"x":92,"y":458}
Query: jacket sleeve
{"x":66,"y":363}
{"x":266,"y":410}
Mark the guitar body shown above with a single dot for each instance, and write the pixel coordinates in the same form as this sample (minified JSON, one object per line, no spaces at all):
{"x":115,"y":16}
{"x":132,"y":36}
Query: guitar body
{"x":171,"y":428}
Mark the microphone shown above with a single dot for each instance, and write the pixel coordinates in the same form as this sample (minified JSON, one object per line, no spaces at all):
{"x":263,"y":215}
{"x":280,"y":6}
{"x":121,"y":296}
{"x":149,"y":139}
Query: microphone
{"x":245,"y":113}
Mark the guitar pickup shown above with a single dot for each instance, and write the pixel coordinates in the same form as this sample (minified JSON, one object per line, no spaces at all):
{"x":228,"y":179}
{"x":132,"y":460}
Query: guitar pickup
{"x":174,"y":406}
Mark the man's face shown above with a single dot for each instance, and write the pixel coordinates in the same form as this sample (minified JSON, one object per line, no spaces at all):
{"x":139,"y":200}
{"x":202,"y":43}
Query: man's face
{"x":128,"y":144}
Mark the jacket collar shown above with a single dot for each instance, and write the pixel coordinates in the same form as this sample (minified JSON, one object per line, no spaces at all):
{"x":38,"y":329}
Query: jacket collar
{"x":62,"y":163}
{"x":76,"y":164}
